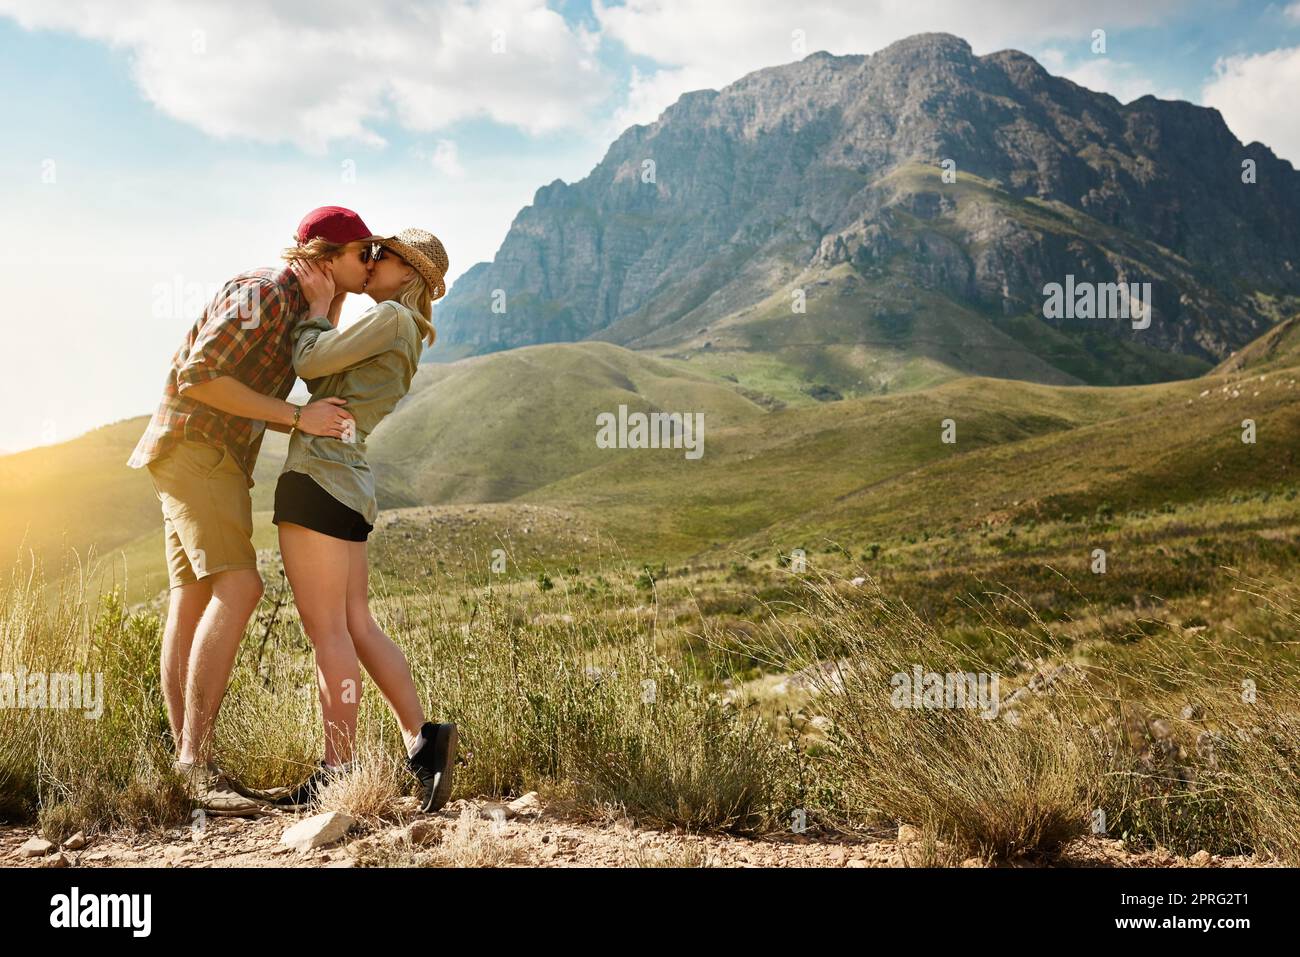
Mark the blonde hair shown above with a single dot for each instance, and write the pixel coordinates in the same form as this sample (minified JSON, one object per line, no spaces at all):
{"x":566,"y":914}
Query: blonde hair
{"x":313,"y":250}
{"x":415,"y":295}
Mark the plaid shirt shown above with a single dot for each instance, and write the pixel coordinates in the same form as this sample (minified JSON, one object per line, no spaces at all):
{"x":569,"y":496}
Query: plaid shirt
{"x":244,"y":333}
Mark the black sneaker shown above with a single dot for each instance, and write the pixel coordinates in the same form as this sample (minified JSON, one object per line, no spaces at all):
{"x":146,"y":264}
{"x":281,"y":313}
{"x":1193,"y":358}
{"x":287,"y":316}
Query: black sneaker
{"x":306,"y":792}
{"x":432,"y":764}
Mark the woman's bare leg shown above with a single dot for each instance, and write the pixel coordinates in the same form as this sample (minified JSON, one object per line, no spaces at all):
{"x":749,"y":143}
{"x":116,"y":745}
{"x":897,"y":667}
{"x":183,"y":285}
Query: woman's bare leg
{"x":317,"y":567}
{"x":383,"y":660}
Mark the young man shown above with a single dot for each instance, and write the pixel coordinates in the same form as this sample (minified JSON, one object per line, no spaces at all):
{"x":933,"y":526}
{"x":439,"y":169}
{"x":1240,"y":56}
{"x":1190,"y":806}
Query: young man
{"x":227,"y":384}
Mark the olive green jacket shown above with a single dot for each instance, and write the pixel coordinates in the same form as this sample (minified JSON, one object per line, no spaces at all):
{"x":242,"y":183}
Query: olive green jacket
{"x":370,"y":364}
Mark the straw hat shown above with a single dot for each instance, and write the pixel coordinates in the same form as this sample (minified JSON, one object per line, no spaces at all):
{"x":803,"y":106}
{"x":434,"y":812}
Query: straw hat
{"x":425,"y":252}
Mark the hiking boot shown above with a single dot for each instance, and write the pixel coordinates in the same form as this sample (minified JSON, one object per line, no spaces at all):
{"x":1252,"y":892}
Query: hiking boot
{"x":210,"y":790}
{"x":432,"y":764}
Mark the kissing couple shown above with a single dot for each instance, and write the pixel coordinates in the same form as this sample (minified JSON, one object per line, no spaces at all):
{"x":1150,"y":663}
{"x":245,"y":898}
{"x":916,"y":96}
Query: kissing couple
{"x":227,"y":384}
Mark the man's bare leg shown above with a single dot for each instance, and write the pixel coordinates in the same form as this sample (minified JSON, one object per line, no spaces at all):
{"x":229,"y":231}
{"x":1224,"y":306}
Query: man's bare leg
{"x":186,"y":604}
{"x":235,"y":595}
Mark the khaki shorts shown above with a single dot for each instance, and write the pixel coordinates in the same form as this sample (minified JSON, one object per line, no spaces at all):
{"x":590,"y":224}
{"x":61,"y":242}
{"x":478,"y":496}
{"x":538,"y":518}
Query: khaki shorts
{"x":207,"y":511}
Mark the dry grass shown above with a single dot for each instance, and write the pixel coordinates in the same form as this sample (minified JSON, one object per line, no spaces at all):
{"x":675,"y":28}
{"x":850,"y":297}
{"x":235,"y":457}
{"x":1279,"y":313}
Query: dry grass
{"x":369,"y":792}
{"x":686,"y":855}
{"x":1152,"y":731}
{"x":469,"y":841}
{"x":535,"y":707}
{"x":73,"y":771}
{"x":987,"y":786}
{"x":1094,"y":739}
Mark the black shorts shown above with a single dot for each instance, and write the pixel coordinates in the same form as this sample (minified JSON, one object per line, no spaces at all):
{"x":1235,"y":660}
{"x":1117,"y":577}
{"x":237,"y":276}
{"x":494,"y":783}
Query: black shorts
{"x":299,"y":500}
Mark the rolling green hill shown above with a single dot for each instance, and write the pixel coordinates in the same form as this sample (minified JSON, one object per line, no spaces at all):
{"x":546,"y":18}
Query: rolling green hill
{"x":794,"y":463}
{"x":76,"y":494}
{"x":493,"y":427}
{"x":519,"y":426}
{"x":1277,"y":348}
{"x":80,"y":497}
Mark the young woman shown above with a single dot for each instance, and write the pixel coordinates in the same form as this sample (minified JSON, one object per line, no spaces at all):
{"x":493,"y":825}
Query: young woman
{"x":325,"y":503}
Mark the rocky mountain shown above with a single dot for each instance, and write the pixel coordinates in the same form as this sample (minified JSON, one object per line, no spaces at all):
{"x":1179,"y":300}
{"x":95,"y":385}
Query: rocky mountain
{"x":913,"y":204}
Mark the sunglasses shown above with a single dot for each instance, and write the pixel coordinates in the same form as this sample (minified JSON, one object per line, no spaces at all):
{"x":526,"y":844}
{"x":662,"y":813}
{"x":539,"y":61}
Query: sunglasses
{"x":372,"y":253}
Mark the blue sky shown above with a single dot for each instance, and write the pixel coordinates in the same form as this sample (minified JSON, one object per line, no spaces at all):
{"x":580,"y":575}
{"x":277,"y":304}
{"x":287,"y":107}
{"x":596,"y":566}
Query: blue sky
{"x":152,"y":149}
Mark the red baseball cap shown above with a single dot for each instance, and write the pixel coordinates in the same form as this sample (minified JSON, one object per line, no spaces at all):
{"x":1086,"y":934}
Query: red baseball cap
{"x":334,"y":224}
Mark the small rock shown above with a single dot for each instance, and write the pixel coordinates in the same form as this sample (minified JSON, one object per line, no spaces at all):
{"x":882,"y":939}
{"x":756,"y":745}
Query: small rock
{"x":56,"y":860}
{"x":857,"y":862}
{"x":103,"y":856}
{"x":1206,"y":744}
{"x":908,"y":834}
{"x":35,"y":847}
{"x":527,"y":804}
{"x":319,"y":830}
{"x":1191,"y":712}
{"x":972,"y":862}
{"x":1160,"y":728}
{"x":76,"y":842}
{"x":1201,"y":858}
{"x":858,"y":582}
{"x":425,"y":831}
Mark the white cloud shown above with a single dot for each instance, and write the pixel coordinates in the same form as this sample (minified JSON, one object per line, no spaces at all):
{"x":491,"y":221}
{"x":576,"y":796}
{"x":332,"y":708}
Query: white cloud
{"x":1124,"y":81}
{"x":315,"y":72}
{"x":320,"y":71}
{"x":1256,"y":94}
{"x":649,"y":94}
{"x":446,"y":159}
{"x":1053,"y":59}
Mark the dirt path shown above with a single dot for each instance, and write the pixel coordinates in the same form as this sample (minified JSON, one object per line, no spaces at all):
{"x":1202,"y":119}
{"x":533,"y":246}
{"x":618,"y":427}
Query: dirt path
{"x":487,"y":833}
